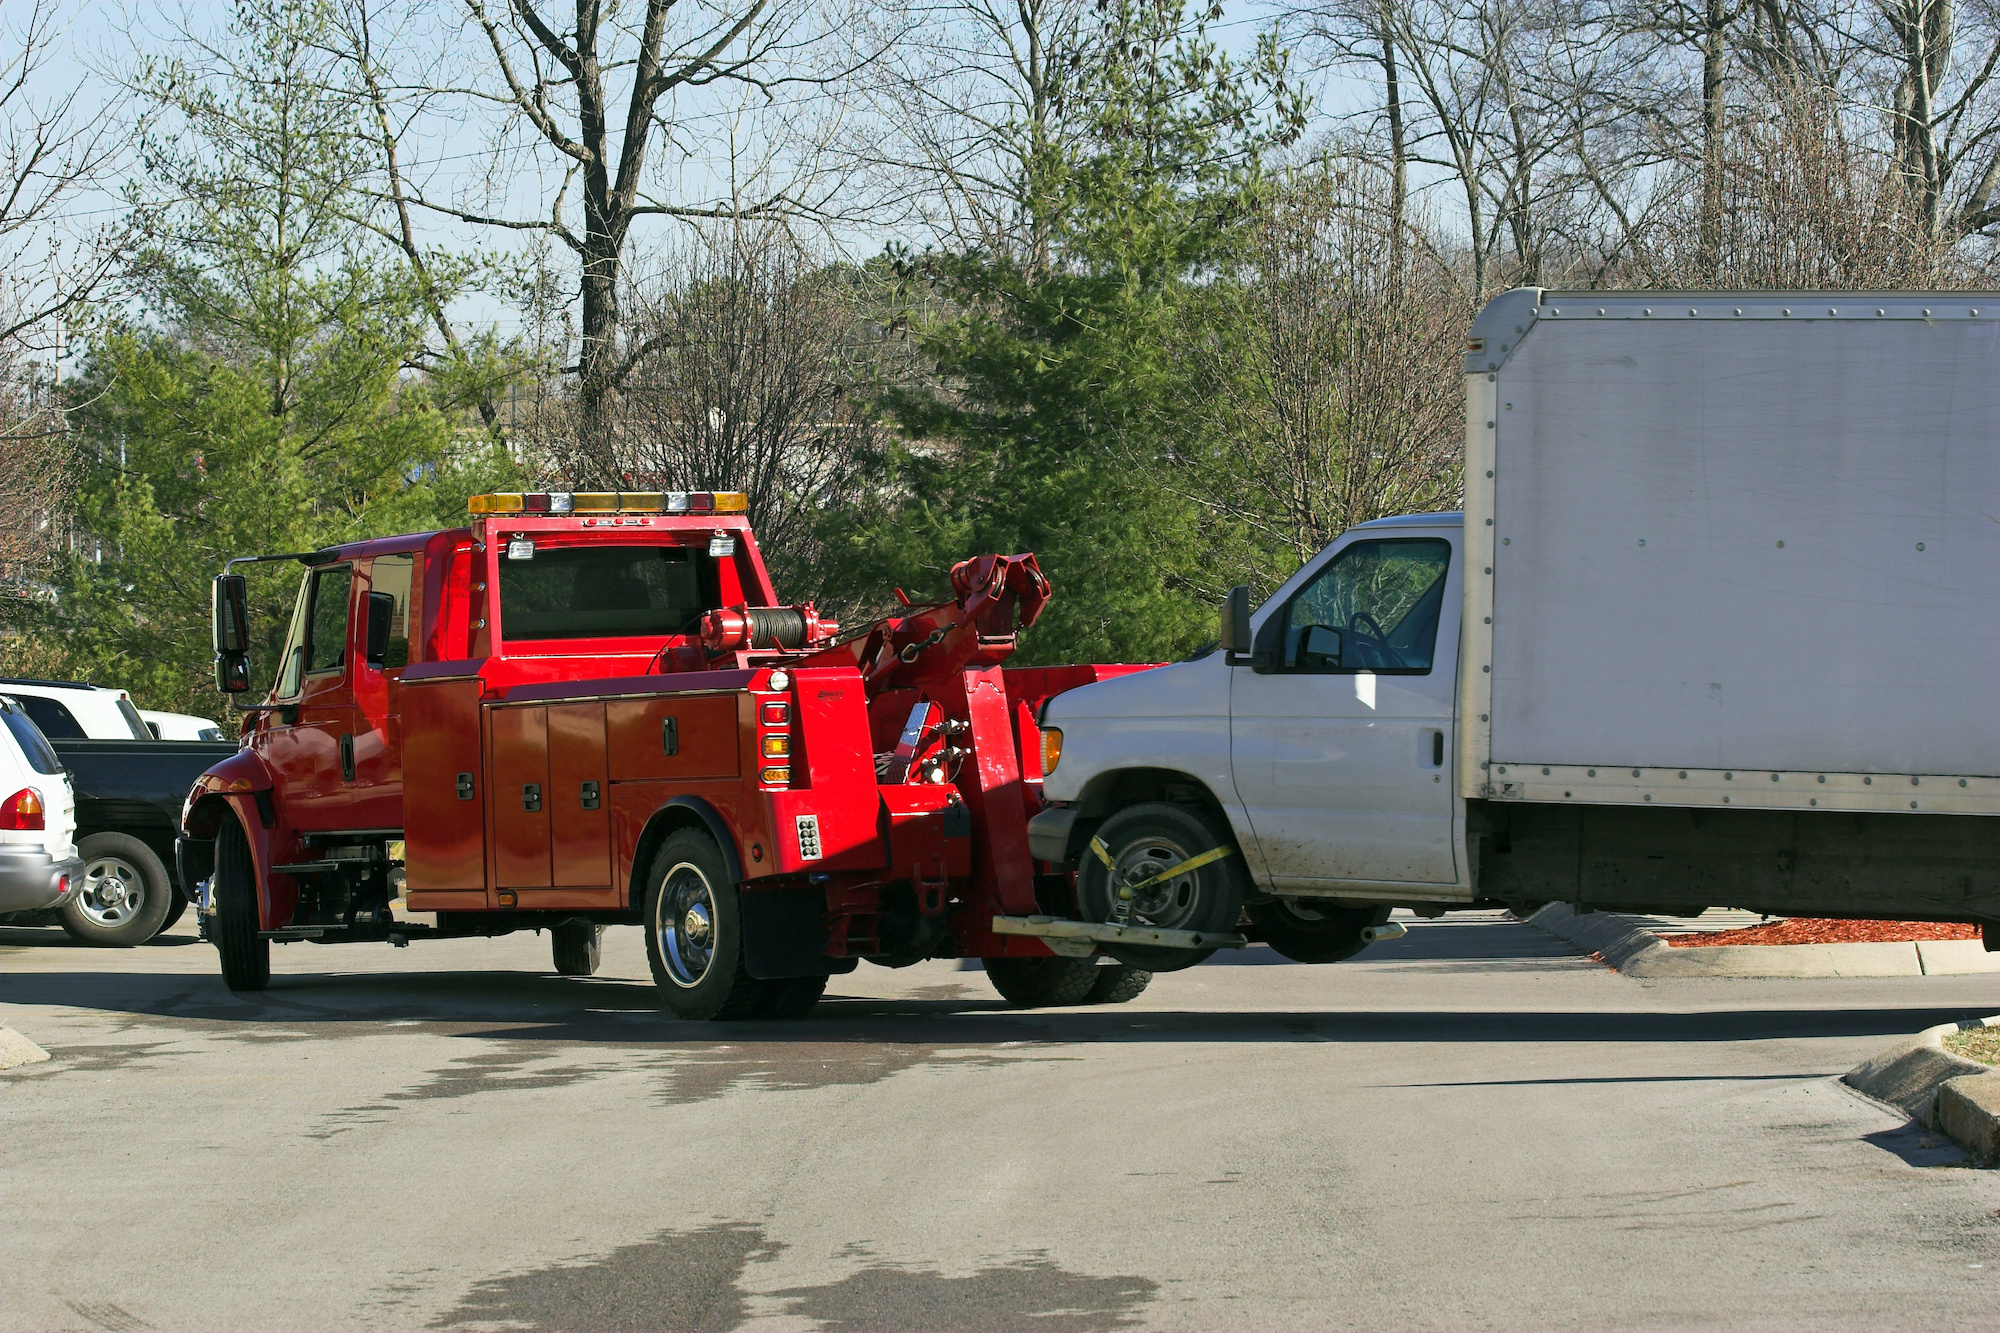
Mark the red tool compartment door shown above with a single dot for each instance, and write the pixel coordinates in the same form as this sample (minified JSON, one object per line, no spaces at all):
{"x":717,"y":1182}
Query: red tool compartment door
{"x":443,"y":826}
{"x":685,"y":736}
{"x":579,"y":798}
{"x":519,"y":792}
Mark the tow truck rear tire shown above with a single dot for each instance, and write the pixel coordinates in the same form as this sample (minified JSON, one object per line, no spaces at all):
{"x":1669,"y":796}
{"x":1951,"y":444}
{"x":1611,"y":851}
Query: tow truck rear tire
{"x":1117,"y":983}
{"x":1042,"y":983}
{"x":1145,"y":840}
{"x":792,"y":997}
{"x":694,"y":932}
{"x":1308,"y":932}
{"x":578,"y":946}
{"x":246,"y":955}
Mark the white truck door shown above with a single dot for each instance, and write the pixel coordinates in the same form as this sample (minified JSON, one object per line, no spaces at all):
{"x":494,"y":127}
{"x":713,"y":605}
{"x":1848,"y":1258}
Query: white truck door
{"x":1341,"y":746}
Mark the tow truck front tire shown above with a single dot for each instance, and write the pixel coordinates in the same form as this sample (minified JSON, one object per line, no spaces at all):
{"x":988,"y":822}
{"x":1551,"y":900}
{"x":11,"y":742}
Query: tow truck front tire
{"x":578,"y":946}
{"x":246,"y":955}
{"x":694,"y":932}
{"x":1042,"y":983}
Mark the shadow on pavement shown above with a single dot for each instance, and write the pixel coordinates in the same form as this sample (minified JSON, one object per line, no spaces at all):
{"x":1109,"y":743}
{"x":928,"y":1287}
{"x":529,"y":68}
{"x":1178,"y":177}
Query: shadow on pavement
{"x":54,"y":937}
{"x":521,"y":1006}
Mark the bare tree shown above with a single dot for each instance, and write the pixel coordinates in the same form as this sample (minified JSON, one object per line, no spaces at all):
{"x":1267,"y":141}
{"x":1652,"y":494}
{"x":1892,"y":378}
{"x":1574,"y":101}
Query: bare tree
{"x":55,"y":153}
{"x":614,"y":97}
{"x":1347,"y":402}
{"x":751,"y":353}
{"x":55,"y":150}
{"x":977,"y":98}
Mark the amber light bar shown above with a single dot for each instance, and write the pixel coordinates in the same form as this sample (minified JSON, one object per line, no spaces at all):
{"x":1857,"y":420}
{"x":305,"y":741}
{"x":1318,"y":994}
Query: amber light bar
{"x":612,"y":502}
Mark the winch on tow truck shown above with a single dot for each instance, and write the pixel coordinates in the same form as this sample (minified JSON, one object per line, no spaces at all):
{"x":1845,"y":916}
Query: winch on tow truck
{"x":582,"y":710}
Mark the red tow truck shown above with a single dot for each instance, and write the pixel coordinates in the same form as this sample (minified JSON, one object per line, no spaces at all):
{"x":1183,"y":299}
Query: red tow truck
{"x":590,"y":709}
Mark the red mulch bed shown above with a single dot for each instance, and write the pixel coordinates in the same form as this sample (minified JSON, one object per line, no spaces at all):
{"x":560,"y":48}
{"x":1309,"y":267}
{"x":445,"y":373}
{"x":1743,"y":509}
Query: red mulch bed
{"x":1820,"y":930}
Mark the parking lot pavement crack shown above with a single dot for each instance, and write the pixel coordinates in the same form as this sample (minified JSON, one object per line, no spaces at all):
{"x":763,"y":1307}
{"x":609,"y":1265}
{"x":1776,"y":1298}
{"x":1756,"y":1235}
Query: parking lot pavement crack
{"x":105,"y":1315}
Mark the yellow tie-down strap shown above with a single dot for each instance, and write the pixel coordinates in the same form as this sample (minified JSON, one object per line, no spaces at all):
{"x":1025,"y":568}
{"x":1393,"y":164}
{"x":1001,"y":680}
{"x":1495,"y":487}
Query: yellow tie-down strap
{"x":1196,"y":862}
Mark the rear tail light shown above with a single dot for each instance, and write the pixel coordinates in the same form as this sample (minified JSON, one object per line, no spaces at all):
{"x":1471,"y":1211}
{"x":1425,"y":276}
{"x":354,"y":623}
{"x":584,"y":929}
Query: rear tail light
{"x":775,"y":776}
{"x":23,"y":812}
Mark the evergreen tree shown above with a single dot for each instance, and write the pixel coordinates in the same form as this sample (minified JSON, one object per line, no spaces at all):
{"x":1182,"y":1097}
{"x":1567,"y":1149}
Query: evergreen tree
{"x":1046,"y":426}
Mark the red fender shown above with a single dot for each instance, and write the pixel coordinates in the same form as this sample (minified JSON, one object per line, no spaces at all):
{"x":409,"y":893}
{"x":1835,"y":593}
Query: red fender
{"x":235,"y":785}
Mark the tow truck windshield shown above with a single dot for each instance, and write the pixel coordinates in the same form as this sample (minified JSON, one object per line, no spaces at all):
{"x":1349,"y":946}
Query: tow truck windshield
{"x":588,"y":592}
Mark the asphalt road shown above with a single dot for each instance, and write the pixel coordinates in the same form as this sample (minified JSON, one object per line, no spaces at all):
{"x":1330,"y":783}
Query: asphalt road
{"x":1468,"y":1128}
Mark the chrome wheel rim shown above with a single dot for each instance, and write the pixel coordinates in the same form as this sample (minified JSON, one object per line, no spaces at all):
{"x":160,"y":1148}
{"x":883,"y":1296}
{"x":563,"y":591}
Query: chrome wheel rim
{"x":113,"y":891}
{"x":1169,"y":904}
{"x":686,"y":917}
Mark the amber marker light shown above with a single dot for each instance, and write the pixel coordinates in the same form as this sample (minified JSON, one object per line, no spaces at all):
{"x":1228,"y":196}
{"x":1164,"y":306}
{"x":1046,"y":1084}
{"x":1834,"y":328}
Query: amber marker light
{"x":1051,"y":749}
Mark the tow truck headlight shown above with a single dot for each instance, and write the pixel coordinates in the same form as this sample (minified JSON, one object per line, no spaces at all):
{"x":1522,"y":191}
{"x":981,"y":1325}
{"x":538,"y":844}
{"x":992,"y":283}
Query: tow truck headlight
{"x":1051,"y":749}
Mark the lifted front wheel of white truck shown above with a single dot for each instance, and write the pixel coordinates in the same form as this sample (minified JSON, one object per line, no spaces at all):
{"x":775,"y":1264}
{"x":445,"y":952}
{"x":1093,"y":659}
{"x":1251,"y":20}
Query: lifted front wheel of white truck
{"x":1165,"y":866}
{"x":694,"y":932}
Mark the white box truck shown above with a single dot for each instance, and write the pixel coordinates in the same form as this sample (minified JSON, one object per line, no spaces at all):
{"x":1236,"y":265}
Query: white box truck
{"x":1719,"y":626}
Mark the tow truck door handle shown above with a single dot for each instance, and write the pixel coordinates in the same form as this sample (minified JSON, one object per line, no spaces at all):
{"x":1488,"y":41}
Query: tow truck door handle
{"x":670,"y":735}
{"x":346,"y":757}
{"x":590,"y":795}
{"x":531,"y":796}
{"x":465,"y":786}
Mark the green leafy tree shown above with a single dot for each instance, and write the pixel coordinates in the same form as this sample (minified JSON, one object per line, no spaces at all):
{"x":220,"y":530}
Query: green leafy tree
{"x":268,"y":399}
{"x":1042,"y":429}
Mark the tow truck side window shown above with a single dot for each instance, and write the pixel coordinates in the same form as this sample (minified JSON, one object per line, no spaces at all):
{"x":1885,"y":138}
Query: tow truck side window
{"x":588,"y":592}
{"x":317,"y":640}
{"x":326,"y":639}
{"x":392,"y":574}
{"x":292,"y":664}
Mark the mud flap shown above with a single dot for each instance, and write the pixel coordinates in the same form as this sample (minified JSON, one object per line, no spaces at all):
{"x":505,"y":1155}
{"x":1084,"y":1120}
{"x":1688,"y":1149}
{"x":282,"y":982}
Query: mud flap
{"x":784,"y":933}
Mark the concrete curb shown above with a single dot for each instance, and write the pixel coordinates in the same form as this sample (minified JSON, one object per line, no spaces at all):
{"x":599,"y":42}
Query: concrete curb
{"x":17,"y":1050}
{"x":1939,"y":1090}
{"x":1637,"y":952}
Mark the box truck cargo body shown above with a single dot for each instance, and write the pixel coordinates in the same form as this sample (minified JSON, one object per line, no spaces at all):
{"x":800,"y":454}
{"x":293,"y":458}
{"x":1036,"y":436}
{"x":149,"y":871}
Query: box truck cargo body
{"x":1728,"y":632}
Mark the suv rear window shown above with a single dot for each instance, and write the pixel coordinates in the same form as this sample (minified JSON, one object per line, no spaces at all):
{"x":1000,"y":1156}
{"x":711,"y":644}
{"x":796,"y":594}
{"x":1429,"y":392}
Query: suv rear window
{"x":588,"y":592}
{"x":53,"y":719}
{"x":34,"y":745}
